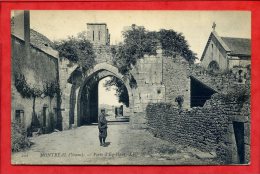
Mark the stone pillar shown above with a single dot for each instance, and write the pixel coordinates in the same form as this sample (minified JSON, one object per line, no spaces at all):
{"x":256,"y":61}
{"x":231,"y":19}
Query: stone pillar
{"x":76,"y":115}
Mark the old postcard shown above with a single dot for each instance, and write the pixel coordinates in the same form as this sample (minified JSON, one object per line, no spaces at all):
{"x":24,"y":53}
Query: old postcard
{"x":130,"y":87}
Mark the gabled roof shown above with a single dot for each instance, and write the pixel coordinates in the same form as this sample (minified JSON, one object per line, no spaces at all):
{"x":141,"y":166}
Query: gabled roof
{"x":233,"y":46}
{"x":238,"y":46}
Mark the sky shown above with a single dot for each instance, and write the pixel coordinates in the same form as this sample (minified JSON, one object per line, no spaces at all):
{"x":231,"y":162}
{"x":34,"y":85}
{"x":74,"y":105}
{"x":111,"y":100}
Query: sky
{"x":107,"y":97}
{"x":195,"y":26}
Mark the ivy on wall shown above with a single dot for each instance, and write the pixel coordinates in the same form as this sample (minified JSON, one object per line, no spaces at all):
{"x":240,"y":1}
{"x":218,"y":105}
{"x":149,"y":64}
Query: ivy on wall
{"x":50,"y":89}
{"x":24,"y":88}
{"x":78,"y":50}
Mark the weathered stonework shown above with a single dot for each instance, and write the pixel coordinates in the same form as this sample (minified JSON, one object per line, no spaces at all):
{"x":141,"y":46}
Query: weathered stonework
{"x":154,"y":77}
{"x":176,"y":80}
{"x":209,"y":128}
{"x":38,"y":68}
{"x":220,"y":82}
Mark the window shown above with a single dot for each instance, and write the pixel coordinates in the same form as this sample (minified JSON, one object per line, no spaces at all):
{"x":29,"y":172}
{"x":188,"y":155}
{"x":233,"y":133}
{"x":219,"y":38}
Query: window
{"x":98,"y":35}
{"x":93,"y":35}
{"x":212,"y":51}
{"x":19,"y":116}
{"x":240,"y":80}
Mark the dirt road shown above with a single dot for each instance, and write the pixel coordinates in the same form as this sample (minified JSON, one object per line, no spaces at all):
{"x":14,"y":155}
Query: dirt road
{"x":124,"y":146}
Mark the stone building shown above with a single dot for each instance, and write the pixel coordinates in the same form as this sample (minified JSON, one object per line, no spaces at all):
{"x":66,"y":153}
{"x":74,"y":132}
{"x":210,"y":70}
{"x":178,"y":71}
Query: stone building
{"x":98,"y":33}
{"x":153,"y":75}
{"x":34,"y":65}
{"x":225,"y":53}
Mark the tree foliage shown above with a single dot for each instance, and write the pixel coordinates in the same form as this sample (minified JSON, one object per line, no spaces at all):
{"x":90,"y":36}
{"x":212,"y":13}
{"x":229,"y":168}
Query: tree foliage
{"x":137,"y":42}
{"x":77,"y":49}
{"x":174,"y":43}
{"x":121,"y":90}
{"x":51,"y":89}
{"x":19,"y":138}
{"x":26,"y":90}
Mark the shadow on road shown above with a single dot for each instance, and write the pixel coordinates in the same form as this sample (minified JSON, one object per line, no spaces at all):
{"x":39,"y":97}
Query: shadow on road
{"x":106,"y":144}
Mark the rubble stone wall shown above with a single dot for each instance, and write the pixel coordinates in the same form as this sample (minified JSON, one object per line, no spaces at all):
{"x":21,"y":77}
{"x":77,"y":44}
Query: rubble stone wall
{"x":208,"y":128}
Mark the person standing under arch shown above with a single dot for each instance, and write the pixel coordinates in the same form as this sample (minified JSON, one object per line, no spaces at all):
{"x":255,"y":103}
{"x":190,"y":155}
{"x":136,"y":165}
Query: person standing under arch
{"x":102,"y":127}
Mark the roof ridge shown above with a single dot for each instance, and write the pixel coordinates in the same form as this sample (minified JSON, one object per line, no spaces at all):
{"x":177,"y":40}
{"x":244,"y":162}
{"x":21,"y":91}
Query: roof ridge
{"x":235,"y":37}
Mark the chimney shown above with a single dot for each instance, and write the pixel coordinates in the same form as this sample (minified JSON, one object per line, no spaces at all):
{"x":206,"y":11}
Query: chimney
{"x":27,"y":32}
{"x":21,"y":28}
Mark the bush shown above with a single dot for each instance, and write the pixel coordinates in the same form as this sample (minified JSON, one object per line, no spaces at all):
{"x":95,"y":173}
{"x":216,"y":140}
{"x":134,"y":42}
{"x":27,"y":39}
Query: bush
{"x":19,"y":138}
{"x":239,"y":94}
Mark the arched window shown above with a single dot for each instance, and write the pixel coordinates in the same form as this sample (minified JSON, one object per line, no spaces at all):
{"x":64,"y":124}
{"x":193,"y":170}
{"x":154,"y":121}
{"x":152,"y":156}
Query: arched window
{"x":213,"y":66}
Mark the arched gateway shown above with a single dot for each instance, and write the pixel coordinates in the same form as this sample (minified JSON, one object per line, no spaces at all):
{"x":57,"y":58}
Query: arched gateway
{"x":87,"y":97}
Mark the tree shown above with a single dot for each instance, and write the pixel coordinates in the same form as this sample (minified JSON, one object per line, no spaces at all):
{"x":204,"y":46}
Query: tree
{"x":77,"y":49}
{"x":174,"y":43}
{"x":28,"y":91}
{"x":137,"y":42}
{"x":121,"y":90}
{"x":51,"y":89}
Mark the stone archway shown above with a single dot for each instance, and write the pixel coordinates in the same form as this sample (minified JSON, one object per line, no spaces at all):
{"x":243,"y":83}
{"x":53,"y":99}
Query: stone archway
{"x":87,"y":100}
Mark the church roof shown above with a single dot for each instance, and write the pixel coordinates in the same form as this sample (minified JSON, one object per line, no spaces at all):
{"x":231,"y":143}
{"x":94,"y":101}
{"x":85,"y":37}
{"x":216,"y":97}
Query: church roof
{"x":232,"y":45}
{"x":238,"y":46}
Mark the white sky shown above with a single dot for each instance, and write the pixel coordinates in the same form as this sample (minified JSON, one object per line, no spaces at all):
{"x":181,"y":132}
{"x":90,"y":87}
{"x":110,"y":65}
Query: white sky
{"x":195,"y":26}
{"x":107,"y":97}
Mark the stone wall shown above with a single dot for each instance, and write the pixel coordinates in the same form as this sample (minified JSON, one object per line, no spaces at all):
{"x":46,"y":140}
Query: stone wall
{"x":176,"y":80}
{"x":158,"y":78}
{"x":208,"y":128}
{"x":223,"y":81}
{"x":148,"y":75}
{"x":65,"y":69}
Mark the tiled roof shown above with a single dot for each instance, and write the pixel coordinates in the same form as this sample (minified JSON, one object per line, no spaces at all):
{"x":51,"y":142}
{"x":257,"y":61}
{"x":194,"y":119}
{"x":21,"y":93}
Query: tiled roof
{"x":238,"y":46}
{"x":234,"y":46}
{"x":39,"y":40}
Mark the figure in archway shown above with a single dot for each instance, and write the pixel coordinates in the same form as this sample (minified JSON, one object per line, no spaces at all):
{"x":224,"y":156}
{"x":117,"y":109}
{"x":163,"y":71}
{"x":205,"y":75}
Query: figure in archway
{"x":102,"y":127}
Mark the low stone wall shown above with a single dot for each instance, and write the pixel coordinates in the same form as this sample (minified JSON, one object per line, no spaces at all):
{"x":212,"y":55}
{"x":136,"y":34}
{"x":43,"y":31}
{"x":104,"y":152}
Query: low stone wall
{"x":208,"y":128}
{"x":222,"y":81}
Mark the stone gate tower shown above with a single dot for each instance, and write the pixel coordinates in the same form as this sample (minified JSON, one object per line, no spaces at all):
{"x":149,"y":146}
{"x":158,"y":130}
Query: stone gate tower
{"x":98,"y":33}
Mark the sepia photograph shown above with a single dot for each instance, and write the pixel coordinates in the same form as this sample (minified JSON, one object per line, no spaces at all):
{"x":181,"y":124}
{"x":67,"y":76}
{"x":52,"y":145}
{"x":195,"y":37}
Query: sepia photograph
{"x":130,"y":87}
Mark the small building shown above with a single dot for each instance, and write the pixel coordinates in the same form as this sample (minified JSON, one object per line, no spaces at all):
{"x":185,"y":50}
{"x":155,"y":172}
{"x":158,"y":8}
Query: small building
{"x":226,"y":53}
